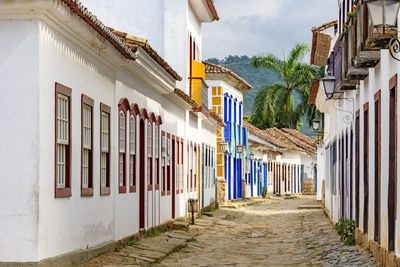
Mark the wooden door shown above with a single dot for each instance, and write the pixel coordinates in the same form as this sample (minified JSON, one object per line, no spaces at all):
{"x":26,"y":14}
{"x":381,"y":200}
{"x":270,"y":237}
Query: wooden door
{"x":142,"y":181}
{"x":357,"y":170}
{"x":173,"y":178}
{"x":377,"y":174}
{"x":366,"y":165}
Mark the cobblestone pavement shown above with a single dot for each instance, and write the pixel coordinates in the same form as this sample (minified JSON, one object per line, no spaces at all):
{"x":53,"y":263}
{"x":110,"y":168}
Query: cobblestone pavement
{"x":273,"y":232}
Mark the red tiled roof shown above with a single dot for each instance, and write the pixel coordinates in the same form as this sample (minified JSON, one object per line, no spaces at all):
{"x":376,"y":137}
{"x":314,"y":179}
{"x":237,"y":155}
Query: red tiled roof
{"x":313,"y":92}
{"x":285,"y":138}
{"x":134,"y":42}
{"x":119,"y":40}
{"x":213,"y":68}
{"x":186,"y":98}
{"x":211,"y":6}
{"x":209,"y":113}
{"x":99,"y":27}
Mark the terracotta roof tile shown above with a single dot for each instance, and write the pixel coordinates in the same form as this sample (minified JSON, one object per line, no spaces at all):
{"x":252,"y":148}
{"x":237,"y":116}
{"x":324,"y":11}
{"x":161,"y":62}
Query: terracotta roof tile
{"x":99,"y":27}
{"x":211,"y":6}
{"x":285,"y":138}
{"x":134,"y":42}
{"x":213,"y":68}
{"x":314,"y":92}
{"x":209,"y":113}
{"x":186,"y":98}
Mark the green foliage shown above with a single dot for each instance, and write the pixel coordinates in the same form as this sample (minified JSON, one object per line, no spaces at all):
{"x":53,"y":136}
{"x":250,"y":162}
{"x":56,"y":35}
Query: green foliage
{"x":154,"y":234}
{"x":132,"y":243}
{"x":261,"y":79}
{"x":264,"y":192}
{"x":276,"y":99}
{"x":345,"y":228}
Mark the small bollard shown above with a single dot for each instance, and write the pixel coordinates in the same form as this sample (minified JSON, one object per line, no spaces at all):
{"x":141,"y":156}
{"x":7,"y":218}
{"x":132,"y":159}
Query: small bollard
{"x":192,"y":207}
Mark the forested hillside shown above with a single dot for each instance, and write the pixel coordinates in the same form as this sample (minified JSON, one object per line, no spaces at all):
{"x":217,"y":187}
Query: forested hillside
{"x":257,"y":78}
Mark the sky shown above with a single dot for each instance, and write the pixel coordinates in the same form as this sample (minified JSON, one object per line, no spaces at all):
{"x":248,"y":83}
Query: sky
{"x":255,"y":27}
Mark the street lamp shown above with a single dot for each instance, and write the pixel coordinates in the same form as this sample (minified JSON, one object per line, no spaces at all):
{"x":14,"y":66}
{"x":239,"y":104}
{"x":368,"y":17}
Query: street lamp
{"x":383,"y":12}
{"x":251,"y":156}
{"x":315,"y":124}
{"x":239,"y":149}
{"x":329,"y":85}
{"x":224,"y":146}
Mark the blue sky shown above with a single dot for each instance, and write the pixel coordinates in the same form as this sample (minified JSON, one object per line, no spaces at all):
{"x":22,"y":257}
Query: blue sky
{"x":253,"y":27}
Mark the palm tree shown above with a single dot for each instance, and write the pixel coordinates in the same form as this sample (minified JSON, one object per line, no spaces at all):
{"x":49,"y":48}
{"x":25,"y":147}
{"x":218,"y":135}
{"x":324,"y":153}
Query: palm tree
{"x":276,"y":100}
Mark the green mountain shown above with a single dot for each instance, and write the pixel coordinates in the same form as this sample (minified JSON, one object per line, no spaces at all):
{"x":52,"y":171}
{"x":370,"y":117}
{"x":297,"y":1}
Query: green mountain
{"x":257,"y":78}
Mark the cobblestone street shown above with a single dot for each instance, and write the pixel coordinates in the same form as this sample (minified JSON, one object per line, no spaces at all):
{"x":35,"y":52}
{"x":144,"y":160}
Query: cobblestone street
{"x":272,"y":232}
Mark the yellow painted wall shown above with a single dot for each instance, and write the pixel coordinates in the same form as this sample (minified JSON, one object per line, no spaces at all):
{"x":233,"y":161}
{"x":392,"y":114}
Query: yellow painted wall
{"x":198,"y":71}
{"x":218,"y":108}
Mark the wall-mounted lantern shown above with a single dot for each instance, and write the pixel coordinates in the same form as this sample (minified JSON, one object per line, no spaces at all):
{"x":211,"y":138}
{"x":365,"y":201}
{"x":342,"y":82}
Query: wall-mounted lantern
{"x":315,"y":124}
{"x":329,"y":82}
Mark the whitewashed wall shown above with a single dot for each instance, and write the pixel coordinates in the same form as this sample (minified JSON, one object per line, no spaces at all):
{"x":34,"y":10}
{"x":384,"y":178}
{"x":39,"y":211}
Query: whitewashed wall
{"x":19,"y":141}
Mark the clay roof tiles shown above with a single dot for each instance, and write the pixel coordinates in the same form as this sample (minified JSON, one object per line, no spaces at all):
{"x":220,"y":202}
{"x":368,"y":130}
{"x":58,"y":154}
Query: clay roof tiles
{"x":214,"y":68}
{"x":133,"y":42}
{"x":284,"y":138}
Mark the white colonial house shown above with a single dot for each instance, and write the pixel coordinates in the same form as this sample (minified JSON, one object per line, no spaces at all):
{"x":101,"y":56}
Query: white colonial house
{"x":359,"y":146}
{"x":283,"y":161}
{"x":102,"y":143}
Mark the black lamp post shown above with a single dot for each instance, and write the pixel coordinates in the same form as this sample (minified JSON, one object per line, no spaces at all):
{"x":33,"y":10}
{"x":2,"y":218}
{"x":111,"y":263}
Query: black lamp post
{"x":329,"y":85}
{"x":315,"y":124}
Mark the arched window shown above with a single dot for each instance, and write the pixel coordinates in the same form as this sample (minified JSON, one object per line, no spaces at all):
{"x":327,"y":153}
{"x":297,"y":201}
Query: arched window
{"x":122,"y":147}
{"x":149,"y":155}
{"x":132,"y":153}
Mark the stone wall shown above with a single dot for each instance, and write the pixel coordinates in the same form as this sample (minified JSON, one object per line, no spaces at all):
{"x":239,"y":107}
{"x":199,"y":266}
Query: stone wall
{"x":381,"y":255}
{"x":221,"y":191}
{"x":309,"y":188}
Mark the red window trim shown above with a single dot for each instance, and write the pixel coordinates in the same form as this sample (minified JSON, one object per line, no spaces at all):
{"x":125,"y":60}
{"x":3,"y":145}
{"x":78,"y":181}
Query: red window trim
{"x":123,"y":106}
{"x":63,"y":192}
{"x":194,"y":170}
{"x":182,"y":157}
{"x":163,"y":168}
{"x":134,"y":111}
{"x":158,"y":122}
{"x":151,"y":120}
{"x":88,"y":192}
{"x":168,"y":166}
{"x":178,"y":164}
{"x":106,"y":190}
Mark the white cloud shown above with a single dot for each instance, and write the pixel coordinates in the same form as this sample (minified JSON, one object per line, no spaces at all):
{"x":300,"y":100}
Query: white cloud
{"x":250,"y":27}
{"x":230,"y":9}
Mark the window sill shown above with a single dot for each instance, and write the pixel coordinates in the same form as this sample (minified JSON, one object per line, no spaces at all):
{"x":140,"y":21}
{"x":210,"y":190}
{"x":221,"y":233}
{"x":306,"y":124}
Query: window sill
{"x":105,"y":191}
{"x":122,"y":189}
{"x":132,"y":189}
{"x":62,"y":192}
{"x":162,"y":193}
{"x":86,"y":192}
{"x":157,"y":187}
{"x":150,"y":187}
{"x":177,"y":191}
{"x":181,"y":191}
{"x":168,"y":192}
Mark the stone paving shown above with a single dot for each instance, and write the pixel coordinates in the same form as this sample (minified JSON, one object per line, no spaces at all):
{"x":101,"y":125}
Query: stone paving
{"x":272,"y":232}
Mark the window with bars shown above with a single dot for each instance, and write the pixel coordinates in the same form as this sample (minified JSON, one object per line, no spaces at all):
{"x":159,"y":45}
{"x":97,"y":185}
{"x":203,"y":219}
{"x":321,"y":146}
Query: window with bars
{"x":149,"y":155}
{"x":62,"y":150}
{"x":122,"y":150}
{"x":178,"y":165}
{"x":182,"y":174}
{"x":87,"y":149}
{"x":132,"y":153}
{"x":105,"y":150}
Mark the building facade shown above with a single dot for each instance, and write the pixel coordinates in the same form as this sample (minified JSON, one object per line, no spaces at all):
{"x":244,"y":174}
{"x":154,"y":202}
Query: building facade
{"x":227,"y":90}
{"x":359,"y":147}
{"x":107,"y":144}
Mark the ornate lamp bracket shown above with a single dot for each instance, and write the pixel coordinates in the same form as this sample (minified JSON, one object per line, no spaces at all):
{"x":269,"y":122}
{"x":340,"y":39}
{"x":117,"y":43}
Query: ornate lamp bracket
{"x":394,"y":48}
{"x":338,"y":104}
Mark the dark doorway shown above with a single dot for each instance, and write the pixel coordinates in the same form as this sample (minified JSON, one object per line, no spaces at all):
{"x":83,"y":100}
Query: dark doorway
{"x":366,"y":176}
{"x":173,"y":189}
{"x":342,"y":180}
{"x":357,"y":170}
{"x":351,"y":174}
{"x":142,"y":175}
{"x":377,"y":174}
{"x":392,"y":166}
